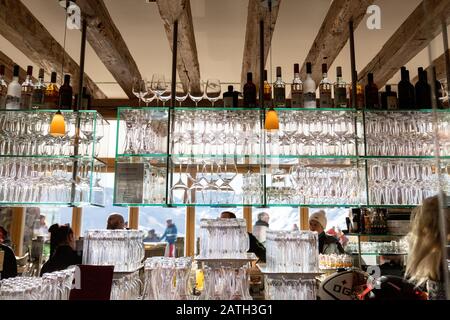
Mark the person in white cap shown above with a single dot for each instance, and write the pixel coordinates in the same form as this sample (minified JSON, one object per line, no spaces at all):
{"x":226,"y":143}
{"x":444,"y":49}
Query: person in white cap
{"x":327,"y":244}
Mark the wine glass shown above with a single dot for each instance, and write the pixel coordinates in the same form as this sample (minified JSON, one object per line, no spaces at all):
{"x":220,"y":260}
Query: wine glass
{"x":166,"y":95}
{"x":139,"y":89}
{"x":150,"y":95}
{"x":213,"y":90}
{"x":196,"y":92}
{"x":158,"y":85}
{"x":181,"y":93}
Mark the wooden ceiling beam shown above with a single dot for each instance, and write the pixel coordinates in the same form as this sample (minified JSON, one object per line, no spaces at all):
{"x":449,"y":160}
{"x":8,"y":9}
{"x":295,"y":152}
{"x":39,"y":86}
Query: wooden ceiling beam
{"x":9,"y":66}
{"x":187,"y":58}
{"x":20,"y":27}
{"x":418,"y":30}
{"x":251,"y":59}
{"x":109,"y":45}
{"x":441,"y":71}
{"x":334,"y":34}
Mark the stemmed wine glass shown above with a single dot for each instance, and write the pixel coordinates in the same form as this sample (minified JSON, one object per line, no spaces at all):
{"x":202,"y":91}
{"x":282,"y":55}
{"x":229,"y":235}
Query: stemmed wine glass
{"x":196,"y":92}
{"x":181,"y":93}
{"x":213,"y":90}
{"x":179,"y":187}
{"x":158,"y":85}
{"x":166,"y":95}
{"x":139,"y":89}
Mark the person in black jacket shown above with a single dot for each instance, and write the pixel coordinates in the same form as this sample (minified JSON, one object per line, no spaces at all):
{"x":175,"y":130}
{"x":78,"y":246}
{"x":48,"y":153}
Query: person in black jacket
{"x":65,"y":254}
{"x":9,"y":263}
{"x":327,"y":244}
{"x":255,"y":246}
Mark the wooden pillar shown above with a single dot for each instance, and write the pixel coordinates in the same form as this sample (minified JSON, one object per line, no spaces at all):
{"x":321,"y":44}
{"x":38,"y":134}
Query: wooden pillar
{"x":248,"y":218}
{"x":17,"y":229}
{"x":77,"y":216}
{"x":190,"y":239}
{"x":304,"y":219}
{"x":133,"y":218}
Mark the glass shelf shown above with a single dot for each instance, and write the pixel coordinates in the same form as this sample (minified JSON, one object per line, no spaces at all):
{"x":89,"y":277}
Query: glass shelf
{"x":408,"y":111}
{"x":373,"y":235}
{"x":378,"y":254}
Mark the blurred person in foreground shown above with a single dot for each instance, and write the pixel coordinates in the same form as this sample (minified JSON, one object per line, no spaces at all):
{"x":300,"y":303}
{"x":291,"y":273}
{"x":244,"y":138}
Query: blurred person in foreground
{"x":327,"y":244}
{"x":170,"y":234}
{"x":9,"y":267}
{"x":255,"y":246}
{"x":65,"y":254}
{"x":261,"y":226}
{"x":115,"y":222}
{"x":424,"y":262}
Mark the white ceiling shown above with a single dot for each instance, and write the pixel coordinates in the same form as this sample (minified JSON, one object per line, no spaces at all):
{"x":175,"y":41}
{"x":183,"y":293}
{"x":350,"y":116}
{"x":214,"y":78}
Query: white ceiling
{"x":220,"y":32}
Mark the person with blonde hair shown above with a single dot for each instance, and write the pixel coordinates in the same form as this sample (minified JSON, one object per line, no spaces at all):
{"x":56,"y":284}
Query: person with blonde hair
{"x":425,"y":258}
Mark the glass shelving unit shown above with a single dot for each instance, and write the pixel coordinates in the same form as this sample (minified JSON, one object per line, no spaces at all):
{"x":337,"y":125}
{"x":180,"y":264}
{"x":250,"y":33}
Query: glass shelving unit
{"x":318,"y":158}
{"x":37,"y":169}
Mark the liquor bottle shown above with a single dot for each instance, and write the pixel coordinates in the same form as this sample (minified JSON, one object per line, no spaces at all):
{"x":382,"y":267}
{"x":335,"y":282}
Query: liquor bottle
{"x":362,"y":221}
{"x":423,"y":91}
{"x":438,"y":91}
{"x":52,"y":93}
{"x":3,"y":88}
{"x":249,"y":92}
{"x":406,"y":91}
{"x":39,"y":92}
{"x":14,"y":91}
{"x":297,"y":89}
{"x":340,"y":90}
{"x":325,"y":89}
{"x":86,"y":100}
{"x":371,"y":93}
{"x":267,"y":92}
{"x":389,"y":99}
{"x":309,"y":89}
{"x":367,"y":222}
{"x":356,"y":213}
{"x":27,"y":90}
{"x":228,"y":98}
{"x":66,"y":94}
{"x":279,"y":91}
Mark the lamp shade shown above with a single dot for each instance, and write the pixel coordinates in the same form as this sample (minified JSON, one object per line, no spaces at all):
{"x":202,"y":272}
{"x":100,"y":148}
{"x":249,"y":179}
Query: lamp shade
{"x":272,"y":122}
{"x":58,"y":125}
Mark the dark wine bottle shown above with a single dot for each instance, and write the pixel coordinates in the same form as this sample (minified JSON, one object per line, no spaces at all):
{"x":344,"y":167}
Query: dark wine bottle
{"x":406,"y":92}
{"x":423,"y":91}
{"x":389,"y":99}
{"x":371,"y":94}
{"x":249,"y":92}
{"x":66,"y":94}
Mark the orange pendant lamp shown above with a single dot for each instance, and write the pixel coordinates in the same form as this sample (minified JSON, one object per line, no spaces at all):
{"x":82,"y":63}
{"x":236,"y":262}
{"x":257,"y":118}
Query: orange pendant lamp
{"x":272,"y":122}
{"x":58,"y":125}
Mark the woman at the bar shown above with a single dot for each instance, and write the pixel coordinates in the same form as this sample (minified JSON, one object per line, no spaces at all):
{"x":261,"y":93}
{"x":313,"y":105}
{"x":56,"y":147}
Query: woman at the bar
{"x":327,"y":244}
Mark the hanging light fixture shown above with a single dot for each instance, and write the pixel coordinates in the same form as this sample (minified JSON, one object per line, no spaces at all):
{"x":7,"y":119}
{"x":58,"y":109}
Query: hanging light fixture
{"x":58,"y":124}
{"x":272,"y":122}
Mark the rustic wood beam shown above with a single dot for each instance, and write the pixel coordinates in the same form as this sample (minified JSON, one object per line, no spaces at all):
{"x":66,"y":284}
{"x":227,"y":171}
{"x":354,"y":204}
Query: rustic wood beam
{"x":422,"y":26}
{"x":20,"y":27}
{"x":109,"y":45}
{"x":441,"y":72}
{"x":9,"y":66}
{"x":187,"y":58}
{"x":251,"y":59}
{"x":334,"y":34}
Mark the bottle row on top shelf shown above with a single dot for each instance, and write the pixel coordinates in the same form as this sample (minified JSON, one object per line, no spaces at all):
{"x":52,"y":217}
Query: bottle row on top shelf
{"x":321,"y":133}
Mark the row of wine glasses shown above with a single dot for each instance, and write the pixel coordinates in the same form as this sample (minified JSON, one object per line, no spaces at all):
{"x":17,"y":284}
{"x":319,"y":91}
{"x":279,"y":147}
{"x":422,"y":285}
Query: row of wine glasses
{"x":226,"y":283}
{"x":369,"y":247}
{"x":145,"y":131}
{"x":292,"y":251}
{"x":223,"y":238}
{"x":404,"y":182}
{"x":160,"y":89}
{"x":122,"y":248}
{"x":303,"y":184}
{"x":127,"y":287}
{"x":51,"y":286}
{"x":285,"y":288}
{"x":46,"y":181}
{"x":216,"y":132}
{"x":406,"y":134}
{"x":167,"y":278}
{"x":335,"y":261}
{"x":314,"y":132}
{"x":208,"y":181}
{"x":28,"y":134}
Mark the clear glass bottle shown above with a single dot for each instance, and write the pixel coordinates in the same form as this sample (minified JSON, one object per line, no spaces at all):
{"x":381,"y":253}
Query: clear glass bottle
{"x":3,"y":88}
{"x":27,"y":90}
{"x":279,"y":91}
{"x":325,"y":89}
{"x":309,"y":89}
{"x":297,"y":89}
{"x":14,"y":91}
{"x":52,"y":93}
{"x":267,"y":91}
{"x":39,"y":91}
{"x":340,"y":90}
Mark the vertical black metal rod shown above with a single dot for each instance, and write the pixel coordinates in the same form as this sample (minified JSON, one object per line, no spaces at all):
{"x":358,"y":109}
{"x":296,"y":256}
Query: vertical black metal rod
{"x":169,"y":172}
{"x":353,"y":63}
{"x":262,"y":108}
{"x":447,"y":54}
{"x":77,"y":107}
